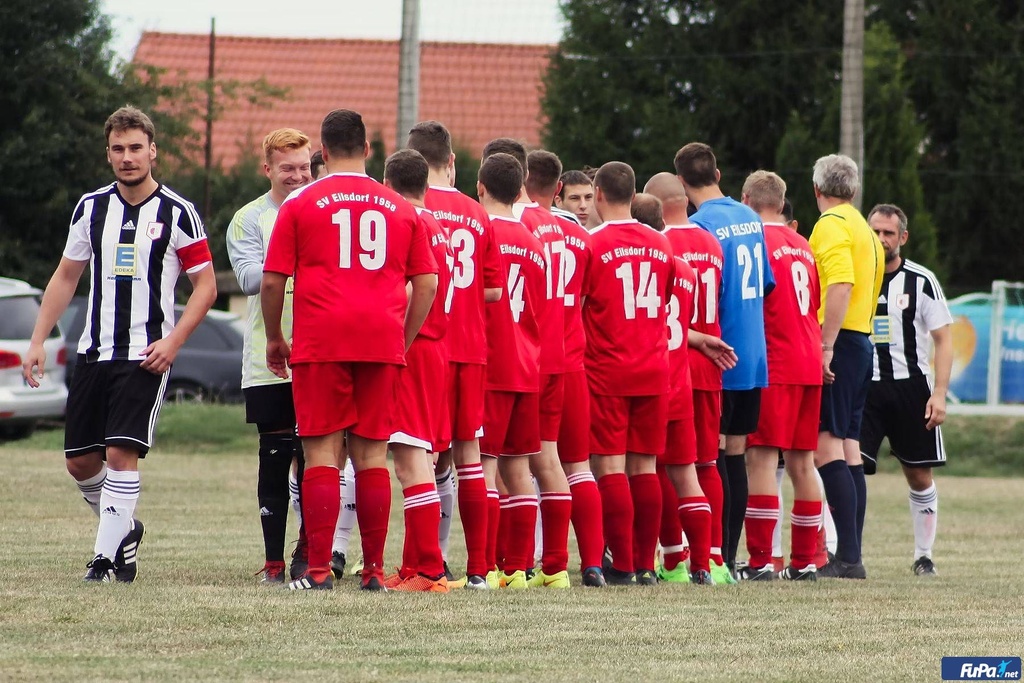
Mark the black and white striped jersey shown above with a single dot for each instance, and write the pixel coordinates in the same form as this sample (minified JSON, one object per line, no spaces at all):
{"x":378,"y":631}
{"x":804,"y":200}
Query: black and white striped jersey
{"x":135,"y":254}
{"x":911,"y":305}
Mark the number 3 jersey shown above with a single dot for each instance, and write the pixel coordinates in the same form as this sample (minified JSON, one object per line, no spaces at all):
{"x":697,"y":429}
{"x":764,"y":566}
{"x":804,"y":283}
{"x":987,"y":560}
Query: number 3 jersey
{"x":513,"y":323}
{"x":791,"y":310}
{"x":352,"y":244}
{"x":746,"y":279}
{"x":626,"y":291}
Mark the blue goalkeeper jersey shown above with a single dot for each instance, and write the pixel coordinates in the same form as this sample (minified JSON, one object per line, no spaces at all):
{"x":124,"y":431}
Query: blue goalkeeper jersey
{"x":746,"y":279}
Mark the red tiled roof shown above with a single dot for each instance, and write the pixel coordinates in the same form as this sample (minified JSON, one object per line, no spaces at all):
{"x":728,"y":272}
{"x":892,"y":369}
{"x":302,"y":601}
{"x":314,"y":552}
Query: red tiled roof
{"x":479,"y":91}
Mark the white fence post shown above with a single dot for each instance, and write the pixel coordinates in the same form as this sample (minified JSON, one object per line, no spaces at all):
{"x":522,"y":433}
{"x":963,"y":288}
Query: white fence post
{"x":995,"y":343}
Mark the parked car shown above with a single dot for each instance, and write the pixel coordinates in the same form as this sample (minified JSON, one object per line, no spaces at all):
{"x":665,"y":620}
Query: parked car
{"x":208,"y":366}
{"x":21,"y":406}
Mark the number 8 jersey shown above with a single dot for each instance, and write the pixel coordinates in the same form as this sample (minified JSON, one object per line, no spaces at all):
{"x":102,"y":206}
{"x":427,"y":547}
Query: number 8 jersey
{"x":626,"y":290}
{"x":791,"y":310}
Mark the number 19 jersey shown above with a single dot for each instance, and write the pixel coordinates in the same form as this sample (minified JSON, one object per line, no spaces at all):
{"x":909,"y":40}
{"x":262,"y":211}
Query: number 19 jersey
{"x":626,"y":291}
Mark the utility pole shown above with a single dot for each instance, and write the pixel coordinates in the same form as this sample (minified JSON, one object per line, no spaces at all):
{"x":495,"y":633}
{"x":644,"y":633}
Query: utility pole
{"x":408,"y":70}
{"x":851,"y":126}
{"x":208,"y":152}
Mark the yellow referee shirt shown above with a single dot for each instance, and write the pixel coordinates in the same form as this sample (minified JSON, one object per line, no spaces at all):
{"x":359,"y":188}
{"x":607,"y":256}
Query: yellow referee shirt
{"x":847,"y":250}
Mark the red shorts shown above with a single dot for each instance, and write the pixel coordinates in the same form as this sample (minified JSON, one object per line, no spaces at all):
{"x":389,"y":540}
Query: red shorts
{"x":511,"y":424}
{"x":421,"y":419}
{"x":466,"y":383}
{"x":789,"y":417}
{"x":707,"y":414}
{"x":330,"y":397}
{"x":574,"y":431}
{"x":681,"y":444}
{"x":552,"y":396}
{"x":628,"y":424}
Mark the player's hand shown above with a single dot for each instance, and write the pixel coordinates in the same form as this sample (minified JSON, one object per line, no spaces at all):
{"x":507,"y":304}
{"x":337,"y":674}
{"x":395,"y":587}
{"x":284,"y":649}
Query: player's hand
{"x":278,"y":353}
{"x":718,"y":352}
{"x":827,"y":376}
{"x":35,"y":358}
{"x":935,"y":411}
{"x":159,"y":355}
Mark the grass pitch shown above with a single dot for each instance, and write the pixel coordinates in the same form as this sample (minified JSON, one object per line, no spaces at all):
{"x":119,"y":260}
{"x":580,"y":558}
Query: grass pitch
{"x":196,"y":613}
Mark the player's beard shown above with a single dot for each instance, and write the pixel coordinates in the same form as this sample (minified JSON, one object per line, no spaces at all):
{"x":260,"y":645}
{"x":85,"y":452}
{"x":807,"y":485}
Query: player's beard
{"x":891,"y":256}
{"x":132,"y":182}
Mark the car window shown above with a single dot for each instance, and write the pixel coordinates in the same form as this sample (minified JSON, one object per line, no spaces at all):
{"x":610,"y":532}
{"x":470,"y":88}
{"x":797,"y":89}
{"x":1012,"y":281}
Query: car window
{"x":206,"y":337}
{"x":18,"y":317}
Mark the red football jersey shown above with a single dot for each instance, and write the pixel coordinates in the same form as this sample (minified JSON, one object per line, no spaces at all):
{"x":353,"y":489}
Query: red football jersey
{"x":680,"y":310}
{"x":513,"y":324}
{"x":436,"y":325}
{"x":703,"y":253}
{"x":791,"y":310}
{"x":627,"y":289}
{"x":577,"y":262}
{"x":546,"y":228}
{"x":476,"y":266}
{"x":351,"y":244}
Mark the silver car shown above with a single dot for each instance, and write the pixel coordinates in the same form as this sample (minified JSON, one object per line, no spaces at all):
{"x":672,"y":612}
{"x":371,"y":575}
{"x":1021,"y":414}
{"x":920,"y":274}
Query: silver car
{"x":21,"y":406}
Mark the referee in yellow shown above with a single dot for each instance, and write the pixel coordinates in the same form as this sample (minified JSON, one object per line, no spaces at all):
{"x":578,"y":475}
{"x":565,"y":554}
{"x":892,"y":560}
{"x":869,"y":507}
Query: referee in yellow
{"x":851,"y":262}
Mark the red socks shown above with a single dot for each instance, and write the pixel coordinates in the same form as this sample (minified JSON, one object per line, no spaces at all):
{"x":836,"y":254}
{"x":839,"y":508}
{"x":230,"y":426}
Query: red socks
{"x":805,"y":517}
{"x":695,"y":517}
{"x":617,"y":508}
{"x":521,"y":512}
{"x":422,"y":517}
{"x":646,"y":493}
{"x":373,"y":509}
{"x":671,"y":534}
{"x":586,"y":518}
{"x":761,"y":518}
{"x":555,"y":511}
{"x":474,"y":513}
{"x":711,"y":484}
{"x":321,"y":501}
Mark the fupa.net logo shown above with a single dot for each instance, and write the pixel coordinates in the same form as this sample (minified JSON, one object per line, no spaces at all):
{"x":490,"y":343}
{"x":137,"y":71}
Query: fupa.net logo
{"x":981,"y":669}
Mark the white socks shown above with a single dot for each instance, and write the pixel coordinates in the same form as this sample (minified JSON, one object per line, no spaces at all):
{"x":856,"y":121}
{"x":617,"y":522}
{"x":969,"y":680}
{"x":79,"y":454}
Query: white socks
{"x":92,"y":487}
{"x":117,"y":506}
{"x":347,"y":515}
{"x":924,"y":510}
{"x":445,"y":483}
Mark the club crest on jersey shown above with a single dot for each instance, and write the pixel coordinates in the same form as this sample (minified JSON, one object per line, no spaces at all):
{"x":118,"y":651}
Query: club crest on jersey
{"x":902,"y":301}
{"x":154,"y":230}
{"x":124,"y":259}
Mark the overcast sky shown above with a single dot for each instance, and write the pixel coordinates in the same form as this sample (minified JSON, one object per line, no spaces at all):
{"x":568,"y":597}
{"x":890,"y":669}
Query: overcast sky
{"x":509,"y":21}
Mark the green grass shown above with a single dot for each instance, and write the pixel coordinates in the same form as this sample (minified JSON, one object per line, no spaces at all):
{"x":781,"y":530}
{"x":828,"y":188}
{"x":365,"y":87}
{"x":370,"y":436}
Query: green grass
{"x":196,"y":614}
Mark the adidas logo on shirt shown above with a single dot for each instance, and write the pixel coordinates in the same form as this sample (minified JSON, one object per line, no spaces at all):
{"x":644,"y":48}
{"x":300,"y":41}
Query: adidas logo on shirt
{"x":882,"y":300}
{"x":128,"y":226}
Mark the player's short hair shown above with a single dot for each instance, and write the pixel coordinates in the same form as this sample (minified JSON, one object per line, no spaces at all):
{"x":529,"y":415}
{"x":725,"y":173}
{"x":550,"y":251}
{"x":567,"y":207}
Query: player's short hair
{"x":406,"y":171}
{"x":646,"y":208}
{"x":573,"y":177}
{"x":616,"y":181}
{"x":316,"y":163}
{"x":787,"y":210}
{"x":514,"y":148}
{"x":433,"y":141}
{"x":590,"y":172}
{"x":765,"y":190}
{"x":544,"y":169}
{"x":502,"y":176}
{"x":343,"y":133}
{"x":129,"y":118}
{"x":283,"y":139}
{"x":696,"y":164}
{"x":836,"y":176}
{"x":890,"y":210}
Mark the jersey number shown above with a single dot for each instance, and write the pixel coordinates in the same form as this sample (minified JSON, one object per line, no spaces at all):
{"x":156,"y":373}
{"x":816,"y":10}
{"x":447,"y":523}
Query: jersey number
{"x":801,"y":285}
{"x":569,"y":262}
{"x":373,"y":239}
{"x":516,"y":281}
{"x":676,"y":332}
{"x":743,"y":257}
{"x":556,"y":287}
{"x":710,"y":299}
{"x":463,"y":248}
{"x":645,"y":296}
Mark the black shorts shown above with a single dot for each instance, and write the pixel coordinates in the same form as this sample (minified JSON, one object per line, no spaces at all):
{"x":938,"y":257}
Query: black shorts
{"x":112,"y":403}
{"x":895,"y":410}
{"x":842,"y":402}
{"x":740,"y":412}
{"x":270,"y":407}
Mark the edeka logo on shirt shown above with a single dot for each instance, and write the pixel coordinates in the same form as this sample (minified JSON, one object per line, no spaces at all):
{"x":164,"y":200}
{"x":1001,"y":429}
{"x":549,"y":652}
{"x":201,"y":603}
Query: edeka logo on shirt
{"x":124,"y":259}
{"x":981,"y":668}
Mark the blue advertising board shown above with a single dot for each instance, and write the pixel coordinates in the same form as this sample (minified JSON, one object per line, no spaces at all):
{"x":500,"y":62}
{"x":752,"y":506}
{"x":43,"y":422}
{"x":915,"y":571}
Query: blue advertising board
{"x":972,"y":325}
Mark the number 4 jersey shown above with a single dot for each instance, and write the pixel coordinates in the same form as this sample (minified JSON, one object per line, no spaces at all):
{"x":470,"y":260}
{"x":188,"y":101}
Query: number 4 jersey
{"x":352,"y":245}
{"x":626,"y":290}
{"x":791,"y":310}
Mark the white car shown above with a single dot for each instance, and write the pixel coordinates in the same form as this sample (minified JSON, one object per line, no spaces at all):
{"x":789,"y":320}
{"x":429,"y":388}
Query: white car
{"x":21,"y":406}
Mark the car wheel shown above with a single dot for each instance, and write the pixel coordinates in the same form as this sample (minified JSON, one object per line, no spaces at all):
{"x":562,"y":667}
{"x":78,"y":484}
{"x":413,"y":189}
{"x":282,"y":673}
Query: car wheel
{"x":20,"y":430}
{"x":186,"y":392}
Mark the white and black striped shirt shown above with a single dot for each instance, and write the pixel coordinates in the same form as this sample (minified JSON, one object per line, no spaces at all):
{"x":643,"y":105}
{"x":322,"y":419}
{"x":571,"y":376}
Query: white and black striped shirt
{"x":910,"y":306}
{"x":136,"y":254}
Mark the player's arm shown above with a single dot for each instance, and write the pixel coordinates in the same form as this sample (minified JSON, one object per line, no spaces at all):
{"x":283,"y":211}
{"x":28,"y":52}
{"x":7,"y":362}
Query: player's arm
{"x":56,"y":298}
{"x":935,"y":409}
{"x":492,"y":294}
{"x":424,"y":289}
{"x":272,"y":304}
{"x":717,"y":351}
{"x":837,"y":300}
{"x":160,"y":354}
{"x":245,"y":251}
